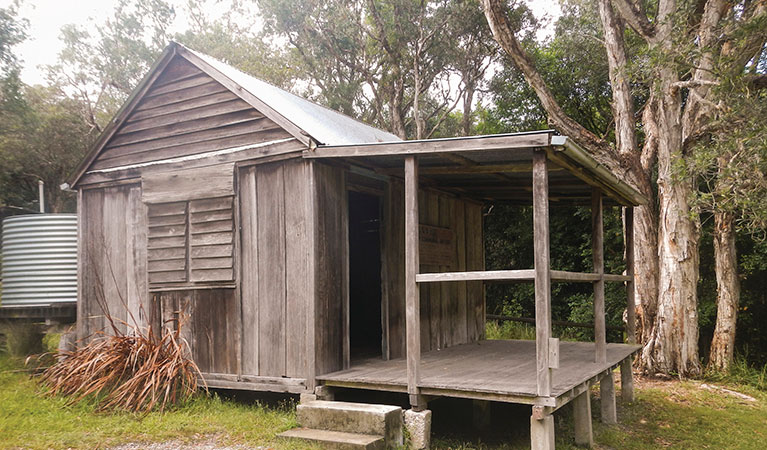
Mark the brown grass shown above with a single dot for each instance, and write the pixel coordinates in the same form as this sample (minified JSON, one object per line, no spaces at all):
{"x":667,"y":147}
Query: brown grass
{"x":136,"y":371}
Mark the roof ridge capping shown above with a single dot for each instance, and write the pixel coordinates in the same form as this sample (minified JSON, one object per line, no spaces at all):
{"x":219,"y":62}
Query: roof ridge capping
{"x":324,"y":125}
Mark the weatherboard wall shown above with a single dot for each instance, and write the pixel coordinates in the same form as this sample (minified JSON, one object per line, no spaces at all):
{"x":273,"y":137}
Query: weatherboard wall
{"x":259,"y":285}
{"x":186,"y":119}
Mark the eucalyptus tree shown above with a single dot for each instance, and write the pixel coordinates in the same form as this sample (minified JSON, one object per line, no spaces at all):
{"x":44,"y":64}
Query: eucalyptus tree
{"x":13,"y":31}
{"x":688,"y":48}
{"x":731,"y":164}
{"x":100,"y":64}
{"x":388,"y":62}
{"x":41,"y":134}
{"x":235,"y":36}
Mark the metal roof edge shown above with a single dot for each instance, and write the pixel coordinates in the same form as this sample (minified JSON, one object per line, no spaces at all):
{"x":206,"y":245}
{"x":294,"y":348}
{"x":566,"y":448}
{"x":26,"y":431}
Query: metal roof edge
{"x":251,"y":98}
{"x":582,"y":157}
{"x":444,"y":139}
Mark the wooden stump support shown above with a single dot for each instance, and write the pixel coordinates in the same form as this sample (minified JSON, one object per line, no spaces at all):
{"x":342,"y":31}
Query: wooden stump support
{"x":584,"y":434}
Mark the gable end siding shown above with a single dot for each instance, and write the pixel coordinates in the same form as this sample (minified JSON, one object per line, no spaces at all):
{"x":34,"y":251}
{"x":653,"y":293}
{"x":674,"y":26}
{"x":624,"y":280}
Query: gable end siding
{"x":185,"y":112}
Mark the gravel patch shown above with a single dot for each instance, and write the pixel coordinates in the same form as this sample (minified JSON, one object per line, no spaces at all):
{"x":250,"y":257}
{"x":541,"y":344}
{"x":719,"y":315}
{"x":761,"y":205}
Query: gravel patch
{"x":197,"y":443}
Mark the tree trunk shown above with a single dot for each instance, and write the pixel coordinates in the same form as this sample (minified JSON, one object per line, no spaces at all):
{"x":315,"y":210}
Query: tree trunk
{"x":645,"y":270}
{"x":468,"y":99}
{"x":727,"y":293}
{"x":673,"y":342}
{"x":397,"y":122}
{"x":419,"y":125}
{"x":645,"y":219}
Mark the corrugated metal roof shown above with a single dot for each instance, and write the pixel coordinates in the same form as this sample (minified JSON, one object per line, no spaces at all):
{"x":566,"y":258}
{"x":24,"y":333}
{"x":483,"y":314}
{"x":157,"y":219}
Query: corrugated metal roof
{"x":326,"y":126}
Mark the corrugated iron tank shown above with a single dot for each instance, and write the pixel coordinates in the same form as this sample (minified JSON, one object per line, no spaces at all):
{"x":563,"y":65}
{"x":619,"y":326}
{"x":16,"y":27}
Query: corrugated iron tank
{"x":39,"y":253}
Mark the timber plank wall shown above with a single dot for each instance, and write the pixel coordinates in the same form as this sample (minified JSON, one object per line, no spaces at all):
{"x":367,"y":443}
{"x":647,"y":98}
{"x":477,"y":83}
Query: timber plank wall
{"x":113,"y":276}
{"x":276,"y":260}
{"x":185,"y":112}
{"x":451,"y":313}
{"x":276,"y":299}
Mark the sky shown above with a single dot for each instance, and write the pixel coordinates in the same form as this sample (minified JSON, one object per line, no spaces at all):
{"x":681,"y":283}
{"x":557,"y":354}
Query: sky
{"x":46,"y":17}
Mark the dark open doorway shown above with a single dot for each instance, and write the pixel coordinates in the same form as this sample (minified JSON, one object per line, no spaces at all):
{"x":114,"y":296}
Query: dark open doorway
{"x":364,"y":276}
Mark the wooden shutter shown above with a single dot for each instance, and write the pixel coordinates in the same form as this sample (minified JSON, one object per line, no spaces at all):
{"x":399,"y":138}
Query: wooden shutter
{"x":211,"y":239}
{"x":166,"y":250}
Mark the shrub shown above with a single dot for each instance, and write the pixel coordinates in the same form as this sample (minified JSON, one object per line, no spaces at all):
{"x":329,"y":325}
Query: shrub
{"x":136,"y":371}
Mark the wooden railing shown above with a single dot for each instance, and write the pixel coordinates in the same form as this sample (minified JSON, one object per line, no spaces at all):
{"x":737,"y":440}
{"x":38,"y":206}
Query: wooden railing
{"x":559,"y":323}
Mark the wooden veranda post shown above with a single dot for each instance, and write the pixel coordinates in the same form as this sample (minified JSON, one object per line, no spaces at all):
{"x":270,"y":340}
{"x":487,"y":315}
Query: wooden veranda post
{"x":630,"y":299}
{"x":627,"y":375}
{"x":598,"y":257}
{"x":606,"y":384}
{"x":542,"y":271}
{"x":412,"y":301}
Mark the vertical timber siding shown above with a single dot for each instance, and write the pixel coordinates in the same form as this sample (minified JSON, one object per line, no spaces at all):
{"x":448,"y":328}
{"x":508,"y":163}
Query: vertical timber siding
{"x":451,"y":313}
{"x":113,"y":251}
{"x":276,"y":256}
{"x":208,"y":321}
{"x":332,"y":240}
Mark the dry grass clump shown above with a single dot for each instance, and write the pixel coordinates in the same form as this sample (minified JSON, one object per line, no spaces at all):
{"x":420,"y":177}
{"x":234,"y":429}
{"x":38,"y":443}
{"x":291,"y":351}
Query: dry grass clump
{"x":136,"y":371}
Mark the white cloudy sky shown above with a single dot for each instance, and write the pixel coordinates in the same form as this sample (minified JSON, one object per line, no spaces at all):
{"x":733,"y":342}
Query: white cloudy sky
{"x":46,"y":17}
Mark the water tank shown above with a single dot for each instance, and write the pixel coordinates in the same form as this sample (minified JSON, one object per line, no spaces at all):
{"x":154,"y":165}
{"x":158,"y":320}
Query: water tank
{"x":39,"y":260}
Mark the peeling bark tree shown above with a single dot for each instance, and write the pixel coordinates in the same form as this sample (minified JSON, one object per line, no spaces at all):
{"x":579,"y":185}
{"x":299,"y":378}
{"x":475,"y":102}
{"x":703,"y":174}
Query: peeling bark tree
{"x":727,"y":292}
{"x":705,"y":35}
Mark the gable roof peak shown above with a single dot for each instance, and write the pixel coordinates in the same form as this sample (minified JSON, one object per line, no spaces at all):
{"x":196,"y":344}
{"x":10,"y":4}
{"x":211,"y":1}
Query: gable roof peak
{"x":324,"y":125}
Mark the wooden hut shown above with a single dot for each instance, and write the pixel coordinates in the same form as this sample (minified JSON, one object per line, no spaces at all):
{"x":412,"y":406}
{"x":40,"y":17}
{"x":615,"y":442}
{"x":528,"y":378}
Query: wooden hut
{"x":299,"y":247}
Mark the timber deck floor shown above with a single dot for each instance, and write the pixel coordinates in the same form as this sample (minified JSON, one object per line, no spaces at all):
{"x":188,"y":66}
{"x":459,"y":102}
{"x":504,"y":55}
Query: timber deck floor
{"x":502,"y":370}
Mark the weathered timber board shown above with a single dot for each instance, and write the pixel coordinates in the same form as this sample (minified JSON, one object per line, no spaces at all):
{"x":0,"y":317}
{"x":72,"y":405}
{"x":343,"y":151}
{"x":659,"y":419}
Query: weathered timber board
{"x":297,"y":254}
{"x":498,"y":367}
{"x":270,"y":151}
{"x":451,"y":313}
{"x":331,"y":285}
{"x":248,"y":198}
{"x":207,"y":319}
{"x":113,"y":252}
{"x":270,"y":189}
{"x":178,"y":69}
{"x":185,"y":112}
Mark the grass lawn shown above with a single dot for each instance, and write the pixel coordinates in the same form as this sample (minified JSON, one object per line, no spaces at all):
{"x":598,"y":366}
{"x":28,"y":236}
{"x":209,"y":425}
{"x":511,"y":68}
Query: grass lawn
{"x":665,"y":414}
{"x":29,"y":420}
{"x":687,"y":415}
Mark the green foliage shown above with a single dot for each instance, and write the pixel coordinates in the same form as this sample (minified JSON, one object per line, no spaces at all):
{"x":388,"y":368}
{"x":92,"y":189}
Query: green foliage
{"x":46,"y":131}
{"x":13,"y":31}
{"x":509,"y":330}
{"x":731,"y":164}
{"x":573,"y":64}
{"x":100,"y":69}
{"x":363,"y":57}
{"x":49,"y":141}
{"x":236,"y":39}
{"x":742,"y":372}
{"x":509,"y":245}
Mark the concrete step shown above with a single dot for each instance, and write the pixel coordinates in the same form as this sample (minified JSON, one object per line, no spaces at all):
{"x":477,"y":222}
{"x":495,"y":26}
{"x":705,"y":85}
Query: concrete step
{"x":337,"y":440}
{"x":362,"y":418}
